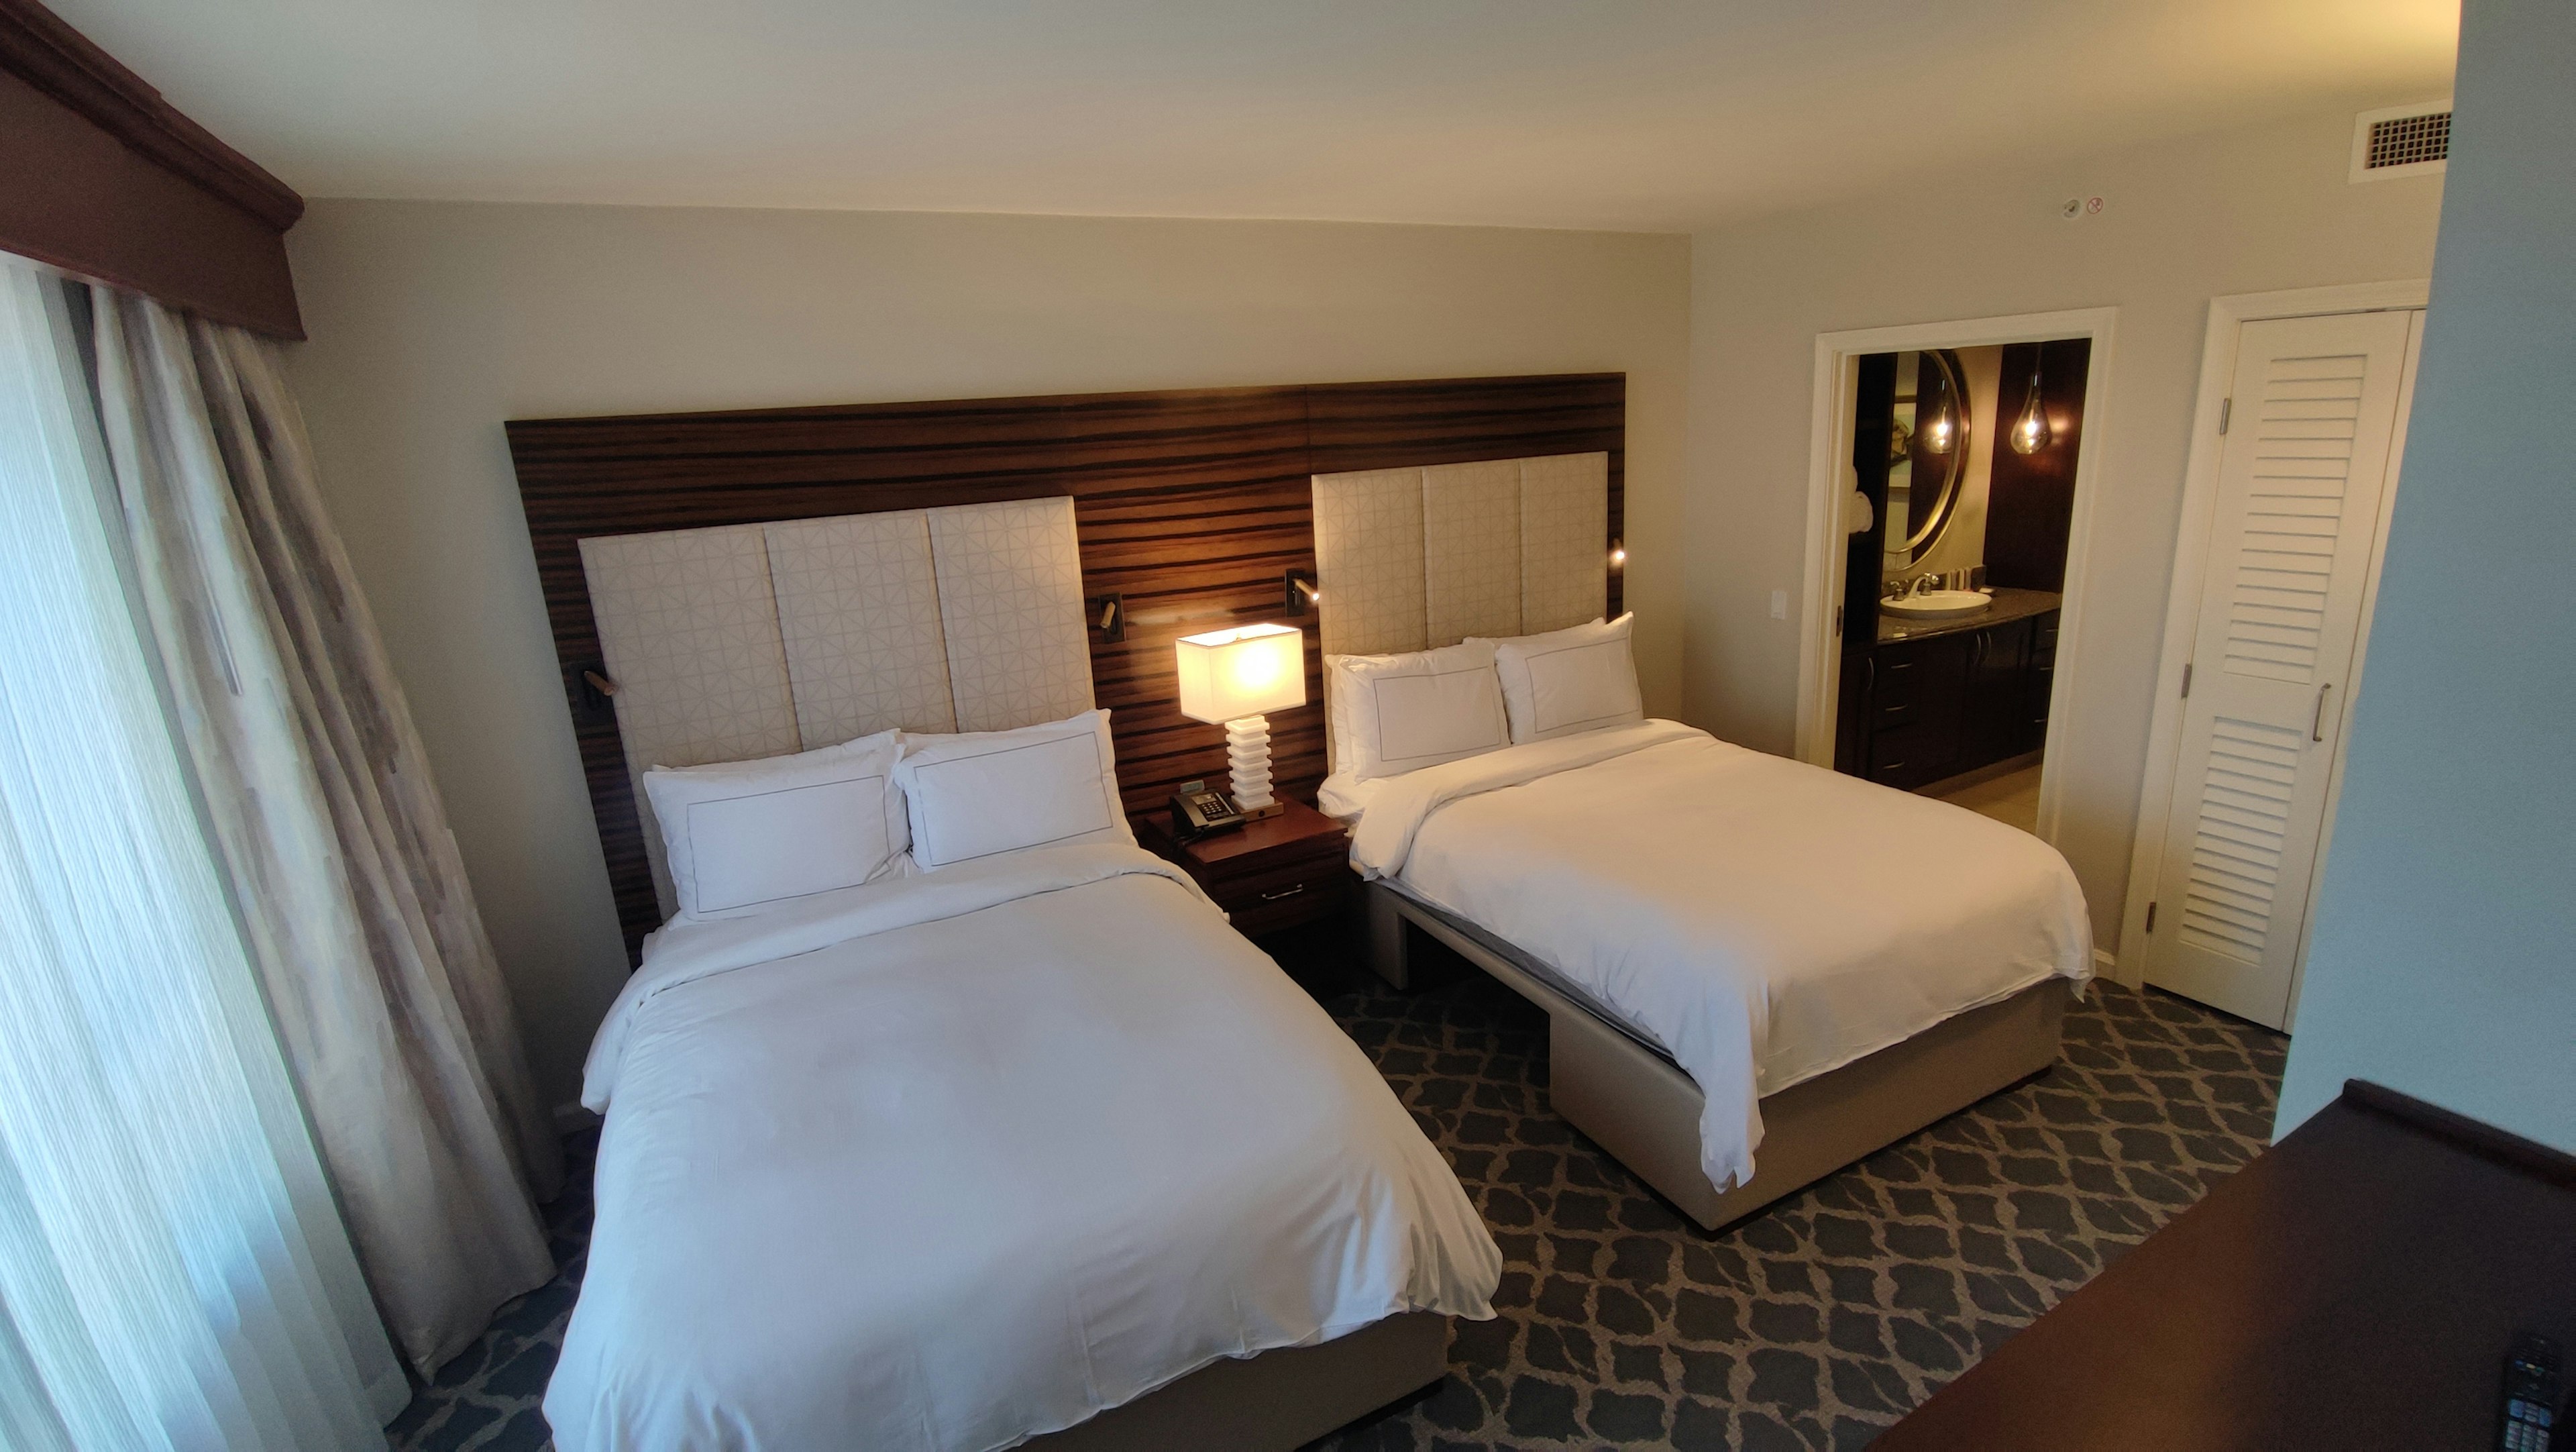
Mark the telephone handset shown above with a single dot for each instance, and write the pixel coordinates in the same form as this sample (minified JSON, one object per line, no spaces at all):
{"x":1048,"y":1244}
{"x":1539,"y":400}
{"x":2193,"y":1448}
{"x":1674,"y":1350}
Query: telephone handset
{"x":1198,"y":810}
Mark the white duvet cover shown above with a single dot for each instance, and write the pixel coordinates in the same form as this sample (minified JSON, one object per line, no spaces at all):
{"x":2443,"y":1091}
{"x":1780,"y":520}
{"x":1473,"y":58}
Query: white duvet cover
{"x":1762,"y":920}
{"x":948,"y":1161}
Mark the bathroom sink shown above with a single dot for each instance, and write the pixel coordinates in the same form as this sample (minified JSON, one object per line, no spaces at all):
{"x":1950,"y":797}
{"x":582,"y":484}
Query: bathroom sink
{"x":1936,"y":604}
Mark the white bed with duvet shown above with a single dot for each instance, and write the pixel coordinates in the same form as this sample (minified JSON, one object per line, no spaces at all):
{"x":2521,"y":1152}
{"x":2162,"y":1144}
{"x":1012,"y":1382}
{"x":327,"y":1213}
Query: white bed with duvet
{"x":938,"y":1116}
{"x":1758,"y":923}
{"x":1759,"y":920}
{"x":951,"y":1159}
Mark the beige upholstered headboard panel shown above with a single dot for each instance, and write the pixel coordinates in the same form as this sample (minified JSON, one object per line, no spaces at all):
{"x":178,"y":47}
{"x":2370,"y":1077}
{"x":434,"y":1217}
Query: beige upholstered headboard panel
{"x":758,"y":639}
{"x":1409,"y":559}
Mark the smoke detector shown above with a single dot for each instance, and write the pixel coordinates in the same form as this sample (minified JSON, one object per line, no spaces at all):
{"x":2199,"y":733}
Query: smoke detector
{"x":2399,"y":141}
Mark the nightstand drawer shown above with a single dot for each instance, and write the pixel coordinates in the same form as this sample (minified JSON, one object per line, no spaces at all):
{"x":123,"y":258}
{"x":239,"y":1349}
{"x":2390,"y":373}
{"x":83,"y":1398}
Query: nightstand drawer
{"x":1272,"y":873}
{"x":1284,"y":897}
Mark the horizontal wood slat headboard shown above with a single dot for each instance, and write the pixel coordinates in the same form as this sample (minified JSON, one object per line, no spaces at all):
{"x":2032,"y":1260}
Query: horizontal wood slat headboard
{"x":1193,"y":504}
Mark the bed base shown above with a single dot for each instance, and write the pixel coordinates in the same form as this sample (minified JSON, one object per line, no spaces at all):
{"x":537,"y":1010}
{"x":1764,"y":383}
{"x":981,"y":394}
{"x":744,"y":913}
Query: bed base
{"x":1636,"y":1103}
{"x":1276,"y":1401}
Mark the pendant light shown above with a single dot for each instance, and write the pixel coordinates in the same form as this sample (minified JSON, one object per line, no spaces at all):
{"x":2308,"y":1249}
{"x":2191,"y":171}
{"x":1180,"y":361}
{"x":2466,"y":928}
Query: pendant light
{"x":1934,"y":433}
{"x":2030,"y":431}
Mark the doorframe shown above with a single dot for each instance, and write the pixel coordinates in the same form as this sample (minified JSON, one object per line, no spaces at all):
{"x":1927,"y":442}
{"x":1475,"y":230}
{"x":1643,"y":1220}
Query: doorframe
{"x":1830,"y":478}
{"x":2227,"y":319}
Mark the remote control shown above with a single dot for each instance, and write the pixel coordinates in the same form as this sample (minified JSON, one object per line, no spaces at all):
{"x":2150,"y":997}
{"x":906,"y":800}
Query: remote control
{"x":2530,"y":1395}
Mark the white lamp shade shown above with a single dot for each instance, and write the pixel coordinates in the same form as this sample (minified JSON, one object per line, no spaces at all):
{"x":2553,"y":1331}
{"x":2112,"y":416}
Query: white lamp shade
{"x":1230,"y":674}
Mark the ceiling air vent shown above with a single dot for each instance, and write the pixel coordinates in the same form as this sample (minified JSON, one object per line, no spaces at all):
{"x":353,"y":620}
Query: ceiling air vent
{"x":2401,"y":141}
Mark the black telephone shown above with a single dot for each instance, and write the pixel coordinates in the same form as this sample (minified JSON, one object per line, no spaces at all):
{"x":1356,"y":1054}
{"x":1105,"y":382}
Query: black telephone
{"x":1197,"y":811}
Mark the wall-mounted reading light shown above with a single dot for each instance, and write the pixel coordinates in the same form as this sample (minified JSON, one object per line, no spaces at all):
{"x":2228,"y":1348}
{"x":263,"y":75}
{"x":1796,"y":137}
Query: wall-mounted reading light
{"x":590,"y":689}
{"x":1301,"y":593}
{"x":1105,"y":617}
{"x":1618,"y":554}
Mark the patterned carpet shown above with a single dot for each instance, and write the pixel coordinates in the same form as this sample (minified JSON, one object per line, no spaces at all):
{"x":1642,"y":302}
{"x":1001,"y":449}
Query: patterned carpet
{"x":1810,"y":1326}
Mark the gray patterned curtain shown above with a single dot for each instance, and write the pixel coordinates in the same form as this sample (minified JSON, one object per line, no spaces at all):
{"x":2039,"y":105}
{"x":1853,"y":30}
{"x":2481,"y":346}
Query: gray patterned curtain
{"x":395,"y":1020}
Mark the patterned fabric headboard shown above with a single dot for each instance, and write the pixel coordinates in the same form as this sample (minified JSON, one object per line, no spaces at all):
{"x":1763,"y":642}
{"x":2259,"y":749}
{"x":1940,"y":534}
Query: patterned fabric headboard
{"x":755,"y":640}
{"x":1410,"y":559}
{"x":1194,"y":509}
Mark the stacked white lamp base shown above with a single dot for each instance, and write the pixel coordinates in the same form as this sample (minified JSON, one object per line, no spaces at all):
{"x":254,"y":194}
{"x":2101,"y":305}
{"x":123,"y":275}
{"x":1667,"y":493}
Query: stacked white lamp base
{"x":1247,"y":752}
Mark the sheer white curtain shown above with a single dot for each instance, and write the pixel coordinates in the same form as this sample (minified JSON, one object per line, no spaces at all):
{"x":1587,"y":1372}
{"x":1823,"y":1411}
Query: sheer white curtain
{"x":395,"y":1020}
{"x":173,"y":1273}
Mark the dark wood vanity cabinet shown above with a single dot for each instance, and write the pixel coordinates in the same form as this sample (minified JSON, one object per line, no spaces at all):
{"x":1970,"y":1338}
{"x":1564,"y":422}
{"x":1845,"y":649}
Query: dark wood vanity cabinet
{"x":1992,"y":717}
{"x":2037,"y":682}
{"x":1918,"y":693}
{"x":1923,"y":708}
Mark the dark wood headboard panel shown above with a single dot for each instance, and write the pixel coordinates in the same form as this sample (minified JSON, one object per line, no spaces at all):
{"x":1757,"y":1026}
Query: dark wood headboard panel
{"x":1193,"y":504}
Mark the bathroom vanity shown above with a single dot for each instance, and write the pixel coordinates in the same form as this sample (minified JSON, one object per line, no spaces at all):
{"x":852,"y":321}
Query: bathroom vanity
{"x":1931,"y":699}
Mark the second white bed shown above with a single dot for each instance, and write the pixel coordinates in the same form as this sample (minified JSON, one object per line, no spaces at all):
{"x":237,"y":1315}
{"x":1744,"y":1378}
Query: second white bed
{"x":1761,"y":921}
{"x":947,"y":1161}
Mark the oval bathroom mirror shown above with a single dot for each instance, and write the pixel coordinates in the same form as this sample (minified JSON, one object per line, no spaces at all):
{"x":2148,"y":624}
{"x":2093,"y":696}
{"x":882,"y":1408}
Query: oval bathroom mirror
{"x":1928,"y":449}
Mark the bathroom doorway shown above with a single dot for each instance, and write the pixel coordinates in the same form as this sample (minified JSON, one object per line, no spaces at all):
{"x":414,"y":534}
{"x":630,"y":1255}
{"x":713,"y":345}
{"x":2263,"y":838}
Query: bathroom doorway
{"x":1955,"y":585}
{"x":1948,"y":512}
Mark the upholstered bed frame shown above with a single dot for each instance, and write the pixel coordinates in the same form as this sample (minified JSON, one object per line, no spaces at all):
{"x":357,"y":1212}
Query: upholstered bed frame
{"x":1634,"y":1101}
{"x":751,"y":640}
{"x":726,"y":586}
{"x":1411,"y":559}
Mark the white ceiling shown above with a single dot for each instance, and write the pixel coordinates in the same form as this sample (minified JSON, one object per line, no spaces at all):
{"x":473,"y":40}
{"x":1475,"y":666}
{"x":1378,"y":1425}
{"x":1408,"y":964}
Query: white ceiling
{"x":1636,"y":114}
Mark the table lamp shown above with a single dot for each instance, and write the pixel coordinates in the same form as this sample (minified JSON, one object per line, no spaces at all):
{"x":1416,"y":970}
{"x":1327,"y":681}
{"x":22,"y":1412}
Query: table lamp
{"x":1229,"y":678}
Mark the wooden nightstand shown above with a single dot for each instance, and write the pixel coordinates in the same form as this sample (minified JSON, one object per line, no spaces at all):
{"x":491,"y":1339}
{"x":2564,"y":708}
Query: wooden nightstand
{"x":1272,"y":874}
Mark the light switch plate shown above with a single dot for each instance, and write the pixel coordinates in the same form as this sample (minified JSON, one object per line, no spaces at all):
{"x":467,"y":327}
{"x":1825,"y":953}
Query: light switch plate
{"x":1779,"y":604}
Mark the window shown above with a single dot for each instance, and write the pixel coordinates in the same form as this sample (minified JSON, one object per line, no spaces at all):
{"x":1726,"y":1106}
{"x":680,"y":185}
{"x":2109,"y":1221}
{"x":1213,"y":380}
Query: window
{"x":172,"y":1272}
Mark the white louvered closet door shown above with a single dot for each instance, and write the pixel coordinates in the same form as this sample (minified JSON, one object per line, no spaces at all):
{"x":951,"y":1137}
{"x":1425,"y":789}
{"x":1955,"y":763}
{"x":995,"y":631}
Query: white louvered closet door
{"x":2302,"y":468}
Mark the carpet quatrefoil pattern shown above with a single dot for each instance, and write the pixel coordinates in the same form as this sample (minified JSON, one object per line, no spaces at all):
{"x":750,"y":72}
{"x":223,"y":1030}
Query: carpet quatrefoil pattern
{"x":1811,"y":1326}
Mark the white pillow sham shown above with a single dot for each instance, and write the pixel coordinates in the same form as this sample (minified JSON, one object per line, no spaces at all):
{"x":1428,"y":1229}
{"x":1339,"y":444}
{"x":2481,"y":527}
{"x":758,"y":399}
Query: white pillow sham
{"x":979,"y":793}
{"x":1581,"y":678}
{"x":742,"y":834}
{"x":1398,"y":713}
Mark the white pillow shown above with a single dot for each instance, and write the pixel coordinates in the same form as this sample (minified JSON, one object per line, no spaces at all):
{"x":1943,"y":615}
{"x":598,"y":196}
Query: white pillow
{"x":1398,"y":713}
{"x":978,"y":793}
{"x":745,"y":833}
{"x":1581,"y":678}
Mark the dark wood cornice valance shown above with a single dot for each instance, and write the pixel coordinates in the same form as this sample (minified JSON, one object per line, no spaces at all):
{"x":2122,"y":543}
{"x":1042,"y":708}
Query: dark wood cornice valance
{"x":101,"y":176}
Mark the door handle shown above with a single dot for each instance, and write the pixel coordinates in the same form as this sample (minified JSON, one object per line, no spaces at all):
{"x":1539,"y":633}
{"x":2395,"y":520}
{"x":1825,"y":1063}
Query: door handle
{"x":2317,"y":727}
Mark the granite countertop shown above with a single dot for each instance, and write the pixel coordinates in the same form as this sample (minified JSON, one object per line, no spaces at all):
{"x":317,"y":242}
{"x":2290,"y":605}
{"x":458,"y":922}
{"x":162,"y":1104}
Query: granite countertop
{"x":2010,"y":605}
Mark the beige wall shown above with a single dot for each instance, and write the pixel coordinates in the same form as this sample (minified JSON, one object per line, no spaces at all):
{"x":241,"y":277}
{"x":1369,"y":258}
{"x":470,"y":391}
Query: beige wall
{"x":431,"y":323}
{"x":2439,"y":961}
{"x":2184,"y":221}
